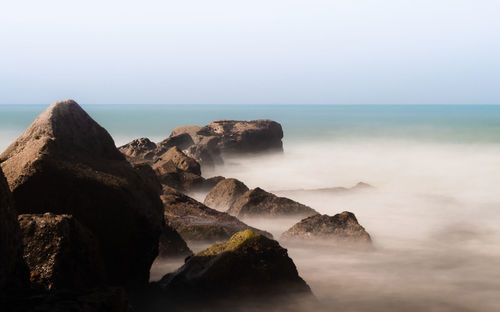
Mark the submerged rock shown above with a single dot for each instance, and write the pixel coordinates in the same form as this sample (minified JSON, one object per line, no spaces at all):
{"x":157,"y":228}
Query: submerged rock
{"x":258,"y":202}
{"x":60,"y":252}
{"x":248,"y":265}
{"x":65,"y":163}
{"x":225,"y":193}
{"x":13,"y":271}
{"x":196,"y":222}
{"x":342,"y":227}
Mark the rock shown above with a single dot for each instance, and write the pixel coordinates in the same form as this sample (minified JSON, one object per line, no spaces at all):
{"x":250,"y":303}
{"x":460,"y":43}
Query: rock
{"x":209,"y":183}
{"x":196,"y":222}
{"x":248,"y":265}
{"x":338,"y":190}
{"x":181,"y":141}
{"x":175,"y":160}
{"x":258,"y":202}
{"x":225,"y":193}
{"x":149,"y":176}
{"x":342,"y":227}
{"x":139,"y":150}
{"x":65,"y":163}
{"x":13,"y":271}
{"x":172,"y":245}
{"x":60,"y":252}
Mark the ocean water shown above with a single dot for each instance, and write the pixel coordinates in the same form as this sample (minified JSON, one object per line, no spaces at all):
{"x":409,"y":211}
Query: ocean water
{"x":434,"y":214}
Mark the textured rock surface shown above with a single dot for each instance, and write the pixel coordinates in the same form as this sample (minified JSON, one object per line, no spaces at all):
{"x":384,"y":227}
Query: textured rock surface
{"x":258,"y":202}
{"x":13,"y":272}
{"x":248,"y":265}
{"x":225,"y":193}
{"x":342,"y":227}
{"x":175,"y":160}
{"x":65,"y":163}
{"x":139,"y":150}
{"x":172,"y":245}
{"x":60,"y":252}
{"x":196,"y":222}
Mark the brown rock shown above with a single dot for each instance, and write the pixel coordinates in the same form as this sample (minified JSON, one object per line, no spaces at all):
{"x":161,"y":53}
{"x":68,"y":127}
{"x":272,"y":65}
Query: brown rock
{"x":139,"y":150}
{"x":196,"y":222}
{"x":342,"y":227}
{"x":172,"y":245}
{"x":60,"y":252}
{"x":258,"y":202}
{"x":13,"y":271}
{"x":225,"y":193}
{"x":65,"y":163}
{"x":174,"y":160}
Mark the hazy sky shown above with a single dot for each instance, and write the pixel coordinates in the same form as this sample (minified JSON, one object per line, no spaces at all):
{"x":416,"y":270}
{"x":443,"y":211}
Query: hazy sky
{"x":281,"y":51}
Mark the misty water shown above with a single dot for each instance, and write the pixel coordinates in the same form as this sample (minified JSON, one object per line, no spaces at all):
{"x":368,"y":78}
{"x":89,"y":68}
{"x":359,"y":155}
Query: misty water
{"x":433,"y":214}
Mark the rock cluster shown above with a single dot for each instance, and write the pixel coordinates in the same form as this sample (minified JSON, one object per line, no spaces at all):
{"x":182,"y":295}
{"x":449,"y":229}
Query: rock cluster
{"x":197,"y":222}
{"x":224,"y":194}
{"x":65,"y":163}
{"x":342,"y":227}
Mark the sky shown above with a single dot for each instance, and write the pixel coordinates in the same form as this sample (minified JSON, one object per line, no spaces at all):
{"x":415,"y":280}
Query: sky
{"x":250,"y":52}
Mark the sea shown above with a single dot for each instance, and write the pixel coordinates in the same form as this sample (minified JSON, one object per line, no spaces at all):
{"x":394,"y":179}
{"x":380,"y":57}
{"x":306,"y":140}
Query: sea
{"x":433,"y":212}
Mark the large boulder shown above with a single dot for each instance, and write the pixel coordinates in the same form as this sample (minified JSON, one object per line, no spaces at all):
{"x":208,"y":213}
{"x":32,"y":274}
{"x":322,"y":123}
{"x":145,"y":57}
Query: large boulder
{"x":197,"y":222}
{"x":257,"y":202}
{"x":342,"y":228}
{"x":60,"y":252}
{"x":13,"y":271}
{"x":224,"y":194}
{"x":172,"y":245}
{"x":181,"y":141}
{"x":248,"y":265}
{"x":65,"y":163}
{"x":175,"y":160}
{"x":139,"y":150}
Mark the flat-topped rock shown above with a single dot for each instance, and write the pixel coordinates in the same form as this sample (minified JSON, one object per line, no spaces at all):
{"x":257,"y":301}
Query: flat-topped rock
{"x":225,"y":193}
{"x":248,"y":265}
{"x":13,"y":271}
{"x":60,"y":252}
{"x":197,"y":222}
{"x":342,"y":227}
{"x":65,"y":163}
{"x":257,"y":202}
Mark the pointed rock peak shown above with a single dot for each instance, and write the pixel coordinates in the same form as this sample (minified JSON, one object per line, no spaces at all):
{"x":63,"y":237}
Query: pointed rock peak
{"x":64,"y":129}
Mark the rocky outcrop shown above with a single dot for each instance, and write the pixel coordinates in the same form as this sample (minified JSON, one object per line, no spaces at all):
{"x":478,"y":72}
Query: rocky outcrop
{"x":175,"y":160}
{"x":248,"y":265}
{"x":342,"y":227}
{"x":224,"y":194}
{"x":139,"y":150}
{"x":172,"y":245}
{"x":13,"y":272}
{"x":258,"y":202}
{"x":196,"y":222}
{"x":65,"y":163}
{"x":182,"y":141}
{"x":60,"y":252}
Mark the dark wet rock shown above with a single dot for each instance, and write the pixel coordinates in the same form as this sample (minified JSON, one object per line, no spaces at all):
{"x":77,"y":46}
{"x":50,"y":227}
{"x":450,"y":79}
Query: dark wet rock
{"x":65,"y":163}
{"x":60,"y":252}
{"x":172,"y":245}
{"x":175,"y":160}
{"x":181,"y":141}
{"x":197,"y":222}
{"x":342,"y":227}
{"x":149,"y":176}
{"x":248,"y":265}
{"x":258,"y":202}
{"x":139,"y":150}
{"x":13,"y":271}
{"x":225,"y":193}
{"x":109,"y":299}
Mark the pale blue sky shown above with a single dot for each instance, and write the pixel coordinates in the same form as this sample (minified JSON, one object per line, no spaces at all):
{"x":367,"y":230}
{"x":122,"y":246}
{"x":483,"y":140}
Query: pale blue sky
{"x":282,"y":51}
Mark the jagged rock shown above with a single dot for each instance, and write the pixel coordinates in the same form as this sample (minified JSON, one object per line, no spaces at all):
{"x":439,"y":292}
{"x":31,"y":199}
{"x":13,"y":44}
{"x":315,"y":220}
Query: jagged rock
{"x":60,"y":252}
{"x":172,"y":245}
{"x":248,"y":265}
{"x":13,"y":271}
{"x":175,"y":160}
{"x":196,"y":222}
{"x":342,"y":227}
{"x":258,"y":202}
{"x":139,"y":150}
{"x":181,"y":141}
{"x":66,"y":163}
{"x":225,"y":193}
